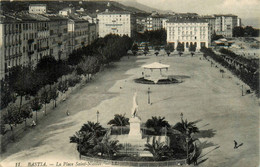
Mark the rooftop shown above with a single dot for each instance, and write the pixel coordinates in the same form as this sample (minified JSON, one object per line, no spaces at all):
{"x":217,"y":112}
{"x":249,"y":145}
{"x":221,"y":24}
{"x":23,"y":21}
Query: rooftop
{"x":38,"y":5}
{"x":114,"y":12}
{"x":187,"y":20}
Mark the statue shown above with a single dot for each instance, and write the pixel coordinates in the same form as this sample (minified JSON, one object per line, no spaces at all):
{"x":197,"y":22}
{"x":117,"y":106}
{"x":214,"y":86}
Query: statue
{"x":135,"y":106}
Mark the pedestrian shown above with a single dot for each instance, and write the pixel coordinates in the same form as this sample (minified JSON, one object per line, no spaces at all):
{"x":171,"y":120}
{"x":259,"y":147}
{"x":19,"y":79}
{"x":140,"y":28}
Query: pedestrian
{"x":235,"y":144}
{"x":67,"y":113}
{"x":33,"y":123}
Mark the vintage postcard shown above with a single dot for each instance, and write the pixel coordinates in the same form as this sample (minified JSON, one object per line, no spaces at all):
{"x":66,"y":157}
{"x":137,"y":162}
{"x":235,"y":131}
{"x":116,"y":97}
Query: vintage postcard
{"x":144,"y":83}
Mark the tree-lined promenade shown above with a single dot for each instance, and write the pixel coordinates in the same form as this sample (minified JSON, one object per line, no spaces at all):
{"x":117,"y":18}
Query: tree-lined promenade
{"x":43,"y":84}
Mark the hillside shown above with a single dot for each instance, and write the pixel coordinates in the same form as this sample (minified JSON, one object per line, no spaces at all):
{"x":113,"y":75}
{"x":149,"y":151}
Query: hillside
{"x":55,"y":6}
{"x":140,"y":6}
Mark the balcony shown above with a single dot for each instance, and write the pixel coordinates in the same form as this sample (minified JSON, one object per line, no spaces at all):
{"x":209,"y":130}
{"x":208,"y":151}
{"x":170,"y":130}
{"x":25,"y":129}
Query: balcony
{"x":30,"y":41}
{"x":30,"y":52}
{"x":43,"y":49}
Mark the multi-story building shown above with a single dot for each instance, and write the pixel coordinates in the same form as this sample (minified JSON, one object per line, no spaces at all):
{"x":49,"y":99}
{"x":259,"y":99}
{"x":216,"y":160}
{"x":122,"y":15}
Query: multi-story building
{"x":38,"y":8}
{"x":224,"y":24}
{"x":93,"y":33}
{"x":59,"y":37}
{"x":78,"y":33}
{"x":114,"y":23}
{"x":187,"y":31}
{"x":154,"y":22}
{"x":11,"y":44}
{"x":211,"y":20}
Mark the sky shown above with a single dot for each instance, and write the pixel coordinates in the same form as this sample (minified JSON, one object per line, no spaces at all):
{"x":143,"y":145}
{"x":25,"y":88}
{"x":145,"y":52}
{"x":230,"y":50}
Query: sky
{"x":245,"y":9}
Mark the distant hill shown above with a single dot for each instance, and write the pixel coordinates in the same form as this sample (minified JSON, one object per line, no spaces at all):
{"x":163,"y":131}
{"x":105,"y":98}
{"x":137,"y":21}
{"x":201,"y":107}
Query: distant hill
{"x":55,"y":6}
{"x":140,"y":6}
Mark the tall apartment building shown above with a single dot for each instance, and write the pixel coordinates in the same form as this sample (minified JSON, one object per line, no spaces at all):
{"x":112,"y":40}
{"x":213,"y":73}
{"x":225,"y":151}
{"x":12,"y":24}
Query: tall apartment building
{"x":79,"y":33}
{"x":59,"y":36}
{"x":187,"y":31}
{"x":114,"y":23}
{"x":224,"y":24}
{"x":154,"y":22}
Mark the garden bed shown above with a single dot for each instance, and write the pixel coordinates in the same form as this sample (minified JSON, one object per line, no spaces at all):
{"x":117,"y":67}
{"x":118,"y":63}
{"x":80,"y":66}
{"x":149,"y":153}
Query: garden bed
{"x":161,"y":81}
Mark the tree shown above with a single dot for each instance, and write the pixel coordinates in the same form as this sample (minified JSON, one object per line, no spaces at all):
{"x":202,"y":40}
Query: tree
{"x":168,"y":49}
{"x":54,"y":95}
{"x":21,"y":82}
{"x":88,"y":137}
{"x":47,"y":68}
{"x":45,"y":98}
{"x":159,"y":150}
{"x":146,"y":49}
{"x":119,"y":120}
{"x":135,"y":49}
{"x":12,"y":117}
{"x":7,"y":95}
{"x":192,"y":48}
{"x":107,"y":147}
{"x":89,"y":65}
{"x":26,"y":112}
{"x":238,"y":31}
{"x":186,"y":128}
{"x":157,"y":123}
{"x":36,"y":106}
{"x":180,"y":48}
{"x":94,"y":128}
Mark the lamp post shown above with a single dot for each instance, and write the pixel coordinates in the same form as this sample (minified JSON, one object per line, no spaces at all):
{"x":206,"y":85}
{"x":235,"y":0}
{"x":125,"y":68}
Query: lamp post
{"x":97,"y":115}
{"x":242,"y":90}
{"x":148,"y":95}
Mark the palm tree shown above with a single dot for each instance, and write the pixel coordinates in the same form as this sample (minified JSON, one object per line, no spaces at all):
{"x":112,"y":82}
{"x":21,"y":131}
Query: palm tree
{"x":88,"y":137}
{"x":94,"y":128}
{"x":157,"y":123}
{"x":159,"y":150}
{"x":85,"y":142}
{"x":119,"y":120}
{"x":186,"y":128}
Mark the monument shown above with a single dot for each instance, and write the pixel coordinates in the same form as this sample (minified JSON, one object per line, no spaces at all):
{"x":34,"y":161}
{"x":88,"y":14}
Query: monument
{"x":135,"y":121}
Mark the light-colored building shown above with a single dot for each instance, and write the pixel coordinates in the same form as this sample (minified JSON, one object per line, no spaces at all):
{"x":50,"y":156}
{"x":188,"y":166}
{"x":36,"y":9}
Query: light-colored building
{"x":114,"y":23}
{"x":187,"y":31}
{"x":239,"y":22}
{"x":224,"y":24}
{"x":38,"y":8}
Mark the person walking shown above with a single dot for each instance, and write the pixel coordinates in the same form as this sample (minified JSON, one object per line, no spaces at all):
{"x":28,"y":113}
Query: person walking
{"x":235,"y":144}
{"x":67,"y":113}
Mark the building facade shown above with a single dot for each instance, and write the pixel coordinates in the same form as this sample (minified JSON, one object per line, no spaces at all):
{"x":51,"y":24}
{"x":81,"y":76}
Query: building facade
{"x":38,"y":8}
{"x":187,"y":31}
{"x":114,"y":23}
{"x":154,"y":22}
{"x":78,"y":34}
{"x":224,"y":24}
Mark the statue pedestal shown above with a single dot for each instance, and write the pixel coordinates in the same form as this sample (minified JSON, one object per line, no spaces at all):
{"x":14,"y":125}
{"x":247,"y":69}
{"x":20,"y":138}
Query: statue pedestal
{"x":135,"y":128}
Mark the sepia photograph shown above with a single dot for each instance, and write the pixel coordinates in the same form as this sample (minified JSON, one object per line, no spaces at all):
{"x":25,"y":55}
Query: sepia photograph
{"x":129,"y":83}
